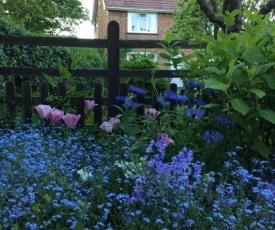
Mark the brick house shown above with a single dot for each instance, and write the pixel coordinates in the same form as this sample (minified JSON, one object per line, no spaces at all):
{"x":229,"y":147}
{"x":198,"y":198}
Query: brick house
{"x":138,"y":19}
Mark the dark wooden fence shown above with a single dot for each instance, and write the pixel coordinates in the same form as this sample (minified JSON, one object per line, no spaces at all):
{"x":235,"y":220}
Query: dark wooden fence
{"x":112,"y":44}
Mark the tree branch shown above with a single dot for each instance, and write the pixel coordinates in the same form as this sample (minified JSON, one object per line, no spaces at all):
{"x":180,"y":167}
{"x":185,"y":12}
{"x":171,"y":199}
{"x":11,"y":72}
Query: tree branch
{"x":265,"y":9}
{"x":209,"y":13}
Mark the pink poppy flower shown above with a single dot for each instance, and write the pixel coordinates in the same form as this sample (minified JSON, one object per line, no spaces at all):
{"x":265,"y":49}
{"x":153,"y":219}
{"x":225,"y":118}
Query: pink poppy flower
{"x":106,"y":127}
{"x":56,"y":115}
{"x":164,"y":137}
{"x":152,"y":113}
{"x":113,"y":121}
{"x":71,"y":119}
{"x":43,"y":110}
{"x":90,"y":104}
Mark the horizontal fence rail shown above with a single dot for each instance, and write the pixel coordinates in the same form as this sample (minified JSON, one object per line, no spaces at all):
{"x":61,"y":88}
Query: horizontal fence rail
{"x":113,"y":73}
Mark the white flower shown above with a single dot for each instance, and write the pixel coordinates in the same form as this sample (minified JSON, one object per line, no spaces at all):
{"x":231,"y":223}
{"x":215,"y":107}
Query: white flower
{"x":84,"y":174}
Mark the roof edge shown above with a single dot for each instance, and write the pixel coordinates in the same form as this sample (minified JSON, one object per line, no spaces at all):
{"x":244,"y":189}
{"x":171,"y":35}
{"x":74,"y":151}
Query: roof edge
{"x":140,"y":9}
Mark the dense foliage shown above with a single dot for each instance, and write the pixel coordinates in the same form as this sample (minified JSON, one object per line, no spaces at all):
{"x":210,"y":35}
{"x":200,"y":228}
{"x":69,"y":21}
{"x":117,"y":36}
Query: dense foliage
{"x":48,"y":16}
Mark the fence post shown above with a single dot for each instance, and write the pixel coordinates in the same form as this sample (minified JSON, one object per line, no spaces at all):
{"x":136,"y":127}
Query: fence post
{"x":10,"y":98}
{"x":98,"y":101}
{"x":173,"y":88}
{"x":80,"y":104}
{"x":113,"y":67}
{"x":44,"y":91}
{"x":27,"y":102}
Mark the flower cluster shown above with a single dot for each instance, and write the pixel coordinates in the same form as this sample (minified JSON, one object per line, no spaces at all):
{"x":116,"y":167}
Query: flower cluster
{"x":56,"y":115}
{"x":107,"y":126}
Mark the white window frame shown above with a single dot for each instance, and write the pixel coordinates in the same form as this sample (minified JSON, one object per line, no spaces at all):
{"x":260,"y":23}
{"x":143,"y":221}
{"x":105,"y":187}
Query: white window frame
{"x":147,"y":53}
{"x":151,"y":22}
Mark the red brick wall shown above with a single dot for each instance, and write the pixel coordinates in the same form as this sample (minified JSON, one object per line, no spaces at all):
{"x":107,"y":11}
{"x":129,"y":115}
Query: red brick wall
{"x":103,"y":17}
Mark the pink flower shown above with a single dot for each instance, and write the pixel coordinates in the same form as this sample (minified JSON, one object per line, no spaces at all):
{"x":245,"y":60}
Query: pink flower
{"x":90,"y":104}
{"x":106,"y":126}
{"x":164,"y":137}
{"x":43,"y":110}
{"x":152,"y":113}
{"x":71,"y":119}
{"x":56,"y":115}
{"x":113,"y":121}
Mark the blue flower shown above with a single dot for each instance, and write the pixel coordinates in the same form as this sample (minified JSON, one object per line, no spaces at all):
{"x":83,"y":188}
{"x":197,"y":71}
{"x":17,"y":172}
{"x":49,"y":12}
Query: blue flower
{"x":192,"y":112}
{"x":224,"y":120}
{"x":194,"y":84}
{"x":131,"y":104}
{"x":136,"y":90}
{"x":212,"y":136}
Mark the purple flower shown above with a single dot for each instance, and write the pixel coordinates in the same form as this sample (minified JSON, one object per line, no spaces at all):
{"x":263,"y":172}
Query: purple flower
{"x":212,"y":136}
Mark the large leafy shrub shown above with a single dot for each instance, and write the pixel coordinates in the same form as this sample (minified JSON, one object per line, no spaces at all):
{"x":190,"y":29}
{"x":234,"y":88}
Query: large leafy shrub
{"x":237,"y":74}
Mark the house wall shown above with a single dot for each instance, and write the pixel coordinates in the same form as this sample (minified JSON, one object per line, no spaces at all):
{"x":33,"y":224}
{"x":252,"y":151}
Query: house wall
{"x":103,"y":17}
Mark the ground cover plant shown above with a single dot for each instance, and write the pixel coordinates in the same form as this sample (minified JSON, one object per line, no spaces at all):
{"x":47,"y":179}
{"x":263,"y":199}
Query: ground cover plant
{"x":192,"y":162}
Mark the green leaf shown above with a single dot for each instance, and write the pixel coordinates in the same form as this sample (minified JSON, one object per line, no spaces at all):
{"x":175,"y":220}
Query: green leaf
{"x":208,"y":106}
{"x":268,"y":115}
{"x":50,"y":80}
{"x":254,"y":54}
{"x":213,"y":83}
{"x":165,"y":56}
{"x":258,"y":92}
{"x":270,"y":79}
{"x":240,"y":106}
{"x":261,"y":147}
{"x":168,"y":37}
{"x":214,"y":70}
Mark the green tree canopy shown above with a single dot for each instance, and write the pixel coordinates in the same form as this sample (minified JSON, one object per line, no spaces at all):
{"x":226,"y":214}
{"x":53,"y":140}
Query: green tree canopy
{"x":45,"y":16}
{"x":197,"y":17}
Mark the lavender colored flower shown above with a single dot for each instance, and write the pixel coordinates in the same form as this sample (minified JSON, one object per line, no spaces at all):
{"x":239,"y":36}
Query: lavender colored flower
{"x":212,"y":136}
{"x":136,"y":90}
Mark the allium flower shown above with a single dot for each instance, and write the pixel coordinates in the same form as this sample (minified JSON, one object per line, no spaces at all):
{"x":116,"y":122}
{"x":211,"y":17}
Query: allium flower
{"x":71,"y":119}
{"x":113,"y":121}
{"x":43,"y":110}
{"x":90,"y":104}
{"x":164,"y":137}
{"x":136,"y":90}
{"x":152,"y":113}
{"x":56,"y":115}
{"x":106,"y":127}
{"x":212,"y":136}
{"x":224,"y":120}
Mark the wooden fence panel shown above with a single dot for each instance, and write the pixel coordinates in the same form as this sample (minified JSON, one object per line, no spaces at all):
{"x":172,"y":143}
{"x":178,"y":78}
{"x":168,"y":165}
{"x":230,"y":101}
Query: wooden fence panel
{"x":10,"y":98}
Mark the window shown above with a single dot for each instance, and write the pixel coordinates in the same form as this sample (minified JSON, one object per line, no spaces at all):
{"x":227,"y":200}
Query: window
{"x":142,"y":23}
{"x":131,"y":56}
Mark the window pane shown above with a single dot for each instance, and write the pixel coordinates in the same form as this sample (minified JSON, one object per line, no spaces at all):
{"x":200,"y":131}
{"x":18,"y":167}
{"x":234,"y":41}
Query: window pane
{"x":142,"y":24}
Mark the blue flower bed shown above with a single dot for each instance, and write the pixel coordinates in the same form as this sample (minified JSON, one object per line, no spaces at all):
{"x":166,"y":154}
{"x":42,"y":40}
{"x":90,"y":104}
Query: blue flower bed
{"x":49,"y":181}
